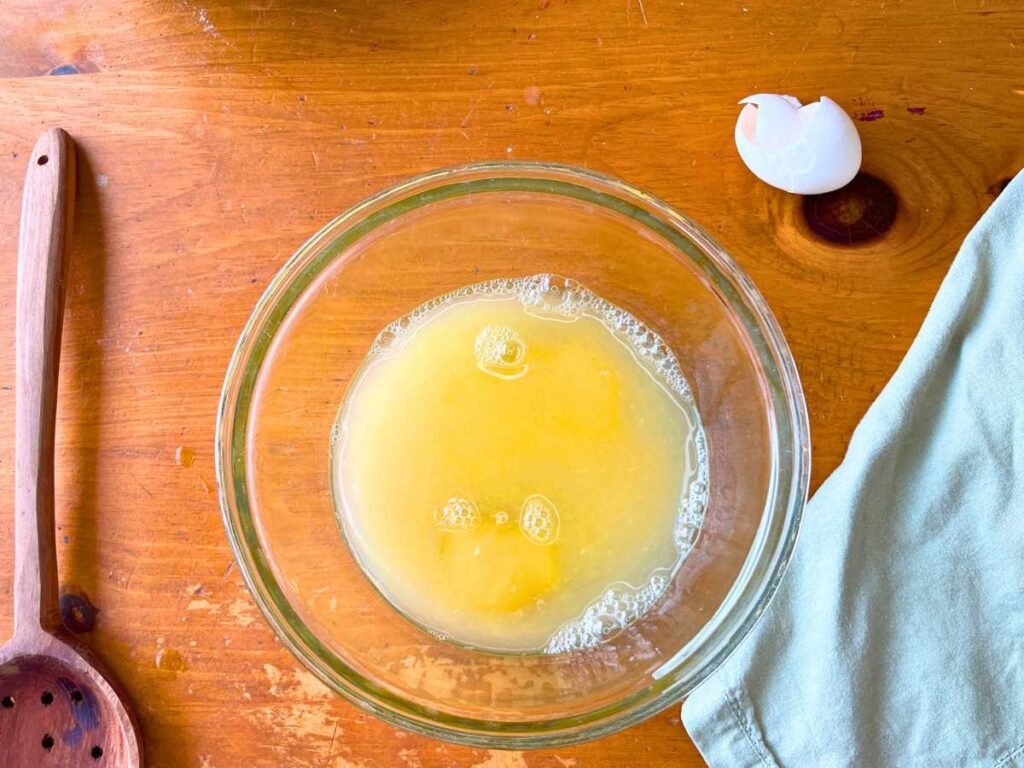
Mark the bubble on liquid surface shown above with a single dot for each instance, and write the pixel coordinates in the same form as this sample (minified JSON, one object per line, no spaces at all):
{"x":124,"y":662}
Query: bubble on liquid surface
{"x":500,"y":352}
{"x":538,"y":520}
{"x":694,"y":502}
{"x":457,"y":515}
{"x":553,"y":295}
{"x":618,"y":606}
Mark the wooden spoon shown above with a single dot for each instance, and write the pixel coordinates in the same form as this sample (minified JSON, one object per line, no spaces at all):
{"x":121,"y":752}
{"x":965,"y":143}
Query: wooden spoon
{"x":56,"y":707}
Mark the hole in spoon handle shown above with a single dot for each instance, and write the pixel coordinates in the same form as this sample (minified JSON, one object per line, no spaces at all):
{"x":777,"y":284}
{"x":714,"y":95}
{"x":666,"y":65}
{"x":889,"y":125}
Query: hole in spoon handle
{"x":46,"y":215}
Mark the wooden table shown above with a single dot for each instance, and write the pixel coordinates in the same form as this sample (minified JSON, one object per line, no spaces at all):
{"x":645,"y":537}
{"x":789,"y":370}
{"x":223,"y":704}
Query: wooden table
{"x":215,"y":138}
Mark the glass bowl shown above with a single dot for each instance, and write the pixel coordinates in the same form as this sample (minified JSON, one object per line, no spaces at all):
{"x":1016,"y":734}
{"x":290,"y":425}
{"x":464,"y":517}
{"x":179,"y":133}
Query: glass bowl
{"x":310,"y":332}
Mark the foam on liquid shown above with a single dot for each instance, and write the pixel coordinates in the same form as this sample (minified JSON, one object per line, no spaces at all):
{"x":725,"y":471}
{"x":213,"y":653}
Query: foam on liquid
{"x":519,"y":466}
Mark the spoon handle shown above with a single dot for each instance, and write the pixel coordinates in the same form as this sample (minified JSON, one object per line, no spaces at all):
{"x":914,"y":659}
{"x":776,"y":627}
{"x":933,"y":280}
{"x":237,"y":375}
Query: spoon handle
{"x":46,"y":215}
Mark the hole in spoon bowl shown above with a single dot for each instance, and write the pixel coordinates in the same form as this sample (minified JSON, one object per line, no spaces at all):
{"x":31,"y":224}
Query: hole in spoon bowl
{"x":65,"y":731}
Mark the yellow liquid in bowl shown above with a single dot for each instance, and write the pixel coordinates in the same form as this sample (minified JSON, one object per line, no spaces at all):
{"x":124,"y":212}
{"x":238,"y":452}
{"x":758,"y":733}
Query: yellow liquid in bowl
{"x":519,"y":466}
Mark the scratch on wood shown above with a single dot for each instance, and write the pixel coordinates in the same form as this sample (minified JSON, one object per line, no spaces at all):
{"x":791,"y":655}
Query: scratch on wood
{"x":334,"y":734}
{"x":203,"y":605}
{"x":498,"y":759}
{"x":131,"y":575}
{"x":202,"y":16}
{"x":140,"y":484}
{"x":241,"y":610}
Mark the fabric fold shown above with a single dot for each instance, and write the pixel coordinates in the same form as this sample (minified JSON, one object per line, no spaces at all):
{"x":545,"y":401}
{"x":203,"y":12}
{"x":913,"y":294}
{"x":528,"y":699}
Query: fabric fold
{"x":897,"y":635}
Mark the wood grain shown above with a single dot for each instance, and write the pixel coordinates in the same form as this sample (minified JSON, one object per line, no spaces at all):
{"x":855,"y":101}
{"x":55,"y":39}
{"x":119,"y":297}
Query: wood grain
{"x":57,"y":707}
{"x":47,"y":213}
{"x":216,"y":136}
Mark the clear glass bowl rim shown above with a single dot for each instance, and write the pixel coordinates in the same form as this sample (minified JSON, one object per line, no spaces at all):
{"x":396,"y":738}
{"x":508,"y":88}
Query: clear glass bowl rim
{"x":765,"y":563}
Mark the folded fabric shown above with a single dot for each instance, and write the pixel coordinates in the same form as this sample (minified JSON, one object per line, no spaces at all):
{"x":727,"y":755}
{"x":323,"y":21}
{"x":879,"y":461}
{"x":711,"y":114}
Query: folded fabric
{"x":897,"y":635}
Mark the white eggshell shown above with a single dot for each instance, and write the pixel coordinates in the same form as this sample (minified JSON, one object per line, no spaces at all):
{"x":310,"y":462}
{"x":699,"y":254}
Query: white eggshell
{"x":806,"y":149}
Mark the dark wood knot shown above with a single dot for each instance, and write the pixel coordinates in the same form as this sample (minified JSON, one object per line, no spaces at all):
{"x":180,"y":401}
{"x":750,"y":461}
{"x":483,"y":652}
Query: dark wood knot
{"x":862,"y":210}
{"x":77,"y":613}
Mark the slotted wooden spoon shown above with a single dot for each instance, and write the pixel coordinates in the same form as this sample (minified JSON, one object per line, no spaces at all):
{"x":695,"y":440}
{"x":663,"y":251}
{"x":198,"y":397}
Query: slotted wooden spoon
{"x":56,"y":707}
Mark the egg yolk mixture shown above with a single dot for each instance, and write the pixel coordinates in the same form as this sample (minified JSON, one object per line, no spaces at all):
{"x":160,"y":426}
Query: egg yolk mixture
{"x":519,"y":466}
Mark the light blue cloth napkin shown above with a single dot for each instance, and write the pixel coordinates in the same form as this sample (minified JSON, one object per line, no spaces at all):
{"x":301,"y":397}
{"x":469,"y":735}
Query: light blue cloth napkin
{"x":897,"y":636}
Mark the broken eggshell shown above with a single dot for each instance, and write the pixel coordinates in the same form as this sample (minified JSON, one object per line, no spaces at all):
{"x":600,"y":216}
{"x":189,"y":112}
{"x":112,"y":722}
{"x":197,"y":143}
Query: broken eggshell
{"x":806,"y":149}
